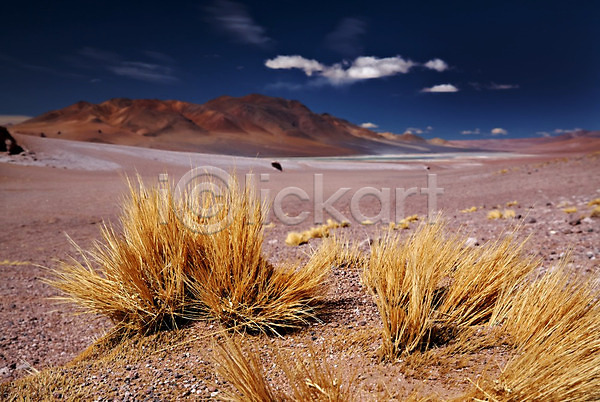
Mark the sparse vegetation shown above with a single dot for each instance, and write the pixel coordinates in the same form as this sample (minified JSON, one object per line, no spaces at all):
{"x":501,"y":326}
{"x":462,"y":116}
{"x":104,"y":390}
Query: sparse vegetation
{"x":595,"y":201}
{"x":553,"y":323}
{"x":430,"y":287}
{"x":158,"y":273}
{"x":595,"y":212}
{"x":512,"y":203}
{"x":467,"y":210}
{"x":570,"y":210}
{"x":497,"y":214}
{"x":300,"y":238}
{"x":494,"y":214}
{"x":308,"y":380}
{"x":404,"y":223}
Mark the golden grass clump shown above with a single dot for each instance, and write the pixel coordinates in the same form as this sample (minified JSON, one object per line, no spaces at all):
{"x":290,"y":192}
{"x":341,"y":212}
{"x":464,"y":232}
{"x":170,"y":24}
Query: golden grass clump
{"x":404,"y":223}
{"x":405,"y":279}
{"x":595,"y":201}
{"x":494,"y":214}
{"x":512,"y":203}
{"x":554,"y":324}
{"x":318,"y":232}
{"x":595,"y":212}
{"x":137,"y":277}
{"x":482,"y":280}
{"x":468,"y":210}
{"x":158,"y":272}
{"x":570,"y":210}
{"x":430,"y":287}
{"x":296,"y":238}
{"x":509,"y":214}
{"x":308,"y":380}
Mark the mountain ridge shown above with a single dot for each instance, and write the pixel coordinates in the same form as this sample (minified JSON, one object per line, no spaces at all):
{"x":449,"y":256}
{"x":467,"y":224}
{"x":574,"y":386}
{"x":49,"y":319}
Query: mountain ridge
{"x":250,"y":125}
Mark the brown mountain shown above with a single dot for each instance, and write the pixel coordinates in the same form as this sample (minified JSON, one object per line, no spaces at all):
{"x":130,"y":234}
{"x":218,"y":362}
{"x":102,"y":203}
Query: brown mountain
{"x":571,"y":142}
{"x":250,"y":125}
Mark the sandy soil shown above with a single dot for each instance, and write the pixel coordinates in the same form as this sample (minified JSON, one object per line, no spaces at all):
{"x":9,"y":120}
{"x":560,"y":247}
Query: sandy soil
{"x":69,"y":188}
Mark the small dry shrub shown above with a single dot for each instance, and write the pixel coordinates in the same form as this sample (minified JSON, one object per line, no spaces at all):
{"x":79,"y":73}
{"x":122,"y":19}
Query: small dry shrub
{"x":429,"y":288}
{"x":554,"y":324}
{"x":158,"y":272}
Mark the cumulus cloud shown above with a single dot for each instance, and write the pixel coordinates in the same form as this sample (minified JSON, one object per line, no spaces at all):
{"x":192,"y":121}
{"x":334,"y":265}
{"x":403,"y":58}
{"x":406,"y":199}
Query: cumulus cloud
{"x":234,"y":19}
{"x":287,"y":62}
{"x":438,"y":65}
{"x":471,"y":132}
{"x":544,"y":134}
{"x":369,"y":125}
{"x":345,"y":39}
{"x":498,"y":131}
{"x":441,"y":88}
{"x":362,"y":68}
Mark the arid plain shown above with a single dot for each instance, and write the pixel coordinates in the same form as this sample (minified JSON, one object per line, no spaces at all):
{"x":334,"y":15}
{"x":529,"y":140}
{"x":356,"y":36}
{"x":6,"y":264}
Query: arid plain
{"x":72,"y":187}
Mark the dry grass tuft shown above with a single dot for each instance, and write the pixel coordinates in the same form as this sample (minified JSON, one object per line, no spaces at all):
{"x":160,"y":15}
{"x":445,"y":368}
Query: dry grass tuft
{"x":595,"y":201}
{"x":482,"y":280}
{"x":494,"y":214}
{"x":509,"y":214}
{"x":467,"y":210}
{"x":512,"y":203}
{"x":431,"y":288}
{"x":406,"y":281}
{"x":137,"y":277}
{"x":404,"y":223}
{"x":595,"y":212}
{"x":554,"y":323}
{"x":318,"y":232}
{"x":308,"y":380}
{"x":245,"y":372}
{"x":296,"y":239}
{"x":158,"y":272}
{"x":570,"y":210}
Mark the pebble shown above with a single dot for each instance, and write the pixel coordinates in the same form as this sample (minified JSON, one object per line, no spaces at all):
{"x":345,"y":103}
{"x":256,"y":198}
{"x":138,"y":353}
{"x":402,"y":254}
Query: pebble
{"x":471,"y":242}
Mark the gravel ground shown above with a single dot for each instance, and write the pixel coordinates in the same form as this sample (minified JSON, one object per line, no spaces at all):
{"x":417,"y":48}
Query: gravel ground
{"x":40,"y":204}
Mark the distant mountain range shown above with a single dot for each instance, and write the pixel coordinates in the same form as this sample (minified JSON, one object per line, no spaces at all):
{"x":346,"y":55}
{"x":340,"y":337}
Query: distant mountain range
{"x":575,"y":141}
{"x":253,"y":125}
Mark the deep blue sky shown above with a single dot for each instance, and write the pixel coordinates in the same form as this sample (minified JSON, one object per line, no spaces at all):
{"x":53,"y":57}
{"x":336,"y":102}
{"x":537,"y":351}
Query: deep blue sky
{"x":525,"y":68}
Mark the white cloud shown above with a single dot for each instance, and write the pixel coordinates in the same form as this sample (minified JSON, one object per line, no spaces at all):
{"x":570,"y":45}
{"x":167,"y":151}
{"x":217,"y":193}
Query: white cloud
{"x":499,"y":131}
{"x":234,"y":19}
{"x":544,"y":134}
{"x":414,"y":130}
{"x":299,"y":62}
{"x":6,"y":119}
{"x":471,"y":132}
{"x":438,"y":65}
{"x":362,"y":68}
{"x":441,"y":88}
{"x":369,"y":125}
{"x":568,"y":130}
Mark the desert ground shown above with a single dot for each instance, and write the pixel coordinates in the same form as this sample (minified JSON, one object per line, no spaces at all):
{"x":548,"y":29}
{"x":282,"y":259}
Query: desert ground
{"x":68,"y":189}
